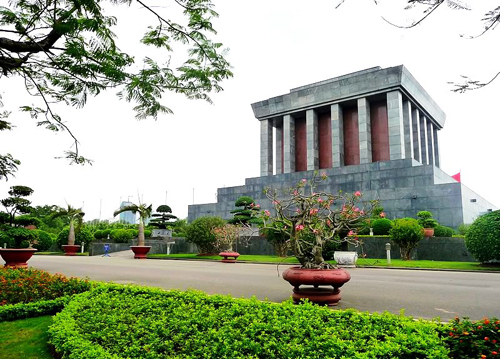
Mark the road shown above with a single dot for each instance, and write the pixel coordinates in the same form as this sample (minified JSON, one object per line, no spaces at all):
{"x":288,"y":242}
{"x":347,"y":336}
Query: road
{"x":422,"y":294}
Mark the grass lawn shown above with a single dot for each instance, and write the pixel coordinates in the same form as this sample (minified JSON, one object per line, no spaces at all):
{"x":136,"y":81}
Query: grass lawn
{"x":26,"y":339}
{"x":58,"y":254}
{"x":362,"y":262}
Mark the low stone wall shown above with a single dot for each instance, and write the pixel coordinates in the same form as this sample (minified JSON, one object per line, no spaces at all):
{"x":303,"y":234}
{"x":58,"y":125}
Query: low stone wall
{"x":433,"y":248}
{"x":157,"y":246}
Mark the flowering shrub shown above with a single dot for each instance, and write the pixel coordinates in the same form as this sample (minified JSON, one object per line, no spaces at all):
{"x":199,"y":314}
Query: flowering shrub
{"x":467,"y":339}
{"x":225,"y":236}
{"x":30,"y":285}
{"x":311,"y":218}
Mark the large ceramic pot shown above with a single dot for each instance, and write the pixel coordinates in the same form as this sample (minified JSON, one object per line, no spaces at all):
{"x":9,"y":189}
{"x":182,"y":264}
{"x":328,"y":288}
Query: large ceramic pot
{"x":70,"y":249}
{"x":225,"y":256}
{"x":334,"y":278}
{"x":428,"y":232}
{"x":345,"y":259}
{"x":140,"y":252}
{"x":16,"y":257}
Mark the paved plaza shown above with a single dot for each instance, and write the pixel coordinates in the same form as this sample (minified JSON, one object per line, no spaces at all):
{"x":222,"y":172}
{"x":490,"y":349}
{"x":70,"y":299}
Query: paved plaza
{"x":424,"y":294}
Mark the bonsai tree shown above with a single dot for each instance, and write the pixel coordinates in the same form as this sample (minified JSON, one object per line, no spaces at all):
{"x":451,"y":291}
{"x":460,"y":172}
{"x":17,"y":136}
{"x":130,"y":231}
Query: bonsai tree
{"x":144,"y":212}
{"x":425,"y":219}
{"x":483,"y":237}
{"x":311,"y":219}
{"x":247,"y":214}
{"x":74,"y":215}
{"x":162,"y":218}
{"x":406,"y":233}
{"x":16,"y":203}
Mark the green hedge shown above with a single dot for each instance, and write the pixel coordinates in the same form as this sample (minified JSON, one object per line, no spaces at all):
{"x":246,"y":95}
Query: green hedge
{"x":483,"y":237}
{"x":35,"y":309}
{"x":116,"y":321}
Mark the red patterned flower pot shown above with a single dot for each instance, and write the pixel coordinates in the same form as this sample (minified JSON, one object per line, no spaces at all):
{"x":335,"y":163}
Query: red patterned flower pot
{"x":225,"y":257}
{"x":428,"y":232}
{"x":16,"y":257}
{"x":335,"y":278}
{"x":70,"y":250}
{"x":140,"y":252}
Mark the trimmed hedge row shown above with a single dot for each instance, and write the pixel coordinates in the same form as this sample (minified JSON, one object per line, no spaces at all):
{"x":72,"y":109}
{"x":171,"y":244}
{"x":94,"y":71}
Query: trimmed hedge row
{"x":116,"y":321}
{"x":29,"y":310}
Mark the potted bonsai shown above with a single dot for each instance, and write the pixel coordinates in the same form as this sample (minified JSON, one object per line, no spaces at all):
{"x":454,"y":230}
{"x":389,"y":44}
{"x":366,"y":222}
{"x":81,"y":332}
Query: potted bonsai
{"x":162,"y":221}
{"x":75,"y":215}
{"x":144,"y":211}
{"x":225,"y":237}
{"x":427,"y":222}
{"x":311,"y":219}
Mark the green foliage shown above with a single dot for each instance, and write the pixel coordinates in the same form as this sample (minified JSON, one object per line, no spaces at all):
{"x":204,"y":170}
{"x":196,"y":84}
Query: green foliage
{"x":381,"y":226}
{"x":247,"y":214}
{"x":48,"y":223}
{"x":17,"y":311}
{"x":16,"y":203}
{"x":27,"y":220}
{"x":425,"y":219}
{"x":200,"y":233}
{"x":180,"y":228}
{"x":162,"y":219}
{"x":83,"y":235}
{"x":123,"y":235}
{"x":152,"y":323}
{"x":278,"y":238}
{"x":17,"y":237}
{"x":31,"y":285}
{"x":483,"y":237}
{"x":147,"y":233}
{"x":377,"y":211}
{"x":44,"y":240}
{"x":244,"y":201}
{"x":406,"y":233}
{"x":468,"y":339}
{"x":443,"y":231}
{"x":463,"y":229}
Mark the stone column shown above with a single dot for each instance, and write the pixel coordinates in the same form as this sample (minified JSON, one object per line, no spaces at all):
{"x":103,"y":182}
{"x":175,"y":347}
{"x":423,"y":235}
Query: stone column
{"x":365,"y":131}
{"x":289,"y":143}
{"x":266,"y":148}
{"x":337,"y":135}
{"x":312,"y":140}
{"x":278,"y":125}
{"x":430,"y":141}
{"x":423,"y":140}
{"x":396,"y":127}
{"x":408,"y":129}
{"x":417,"y":151}
{"x":437,"y":157}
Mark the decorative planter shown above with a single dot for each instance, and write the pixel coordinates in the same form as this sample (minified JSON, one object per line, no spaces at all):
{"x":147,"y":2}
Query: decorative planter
{"x":225,"y":256}
{"x":140,"y":252}
{"x":428,"y":232}
{"x":345,"y":259}
{"x":16,"y":257}
{"x":70,"y":250}
{"x":335,"y":278}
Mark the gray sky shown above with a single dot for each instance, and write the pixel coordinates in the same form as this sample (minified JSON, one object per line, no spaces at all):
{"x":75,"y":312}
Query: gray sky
{"x":274,"y":46}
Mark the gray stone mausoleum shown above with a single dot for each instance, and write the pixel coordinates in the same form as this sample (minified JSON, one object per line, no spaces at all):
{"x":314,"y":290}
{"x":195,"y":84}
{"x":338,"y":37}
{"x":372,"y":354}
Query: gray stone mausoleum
{"x":375,"y":130}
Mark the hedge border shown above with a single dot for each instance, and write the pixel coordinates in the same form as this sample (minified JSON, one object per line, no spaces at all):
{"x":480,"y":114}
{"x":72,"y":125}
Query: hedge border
{"x":16,"y":311}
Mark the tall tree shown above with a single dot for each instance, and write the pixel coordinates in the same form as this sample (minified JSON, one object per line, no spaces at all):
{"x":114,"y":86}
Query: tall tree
{"x":75,"y":216}
{"x":66,"y":51}
{"x":16,"y":203}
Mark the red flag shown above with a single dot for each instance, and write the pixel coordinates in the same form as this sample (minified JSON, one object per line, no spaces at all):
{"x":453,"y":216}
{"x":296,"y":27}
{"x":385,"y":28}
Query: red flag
{"x":456,"y":177}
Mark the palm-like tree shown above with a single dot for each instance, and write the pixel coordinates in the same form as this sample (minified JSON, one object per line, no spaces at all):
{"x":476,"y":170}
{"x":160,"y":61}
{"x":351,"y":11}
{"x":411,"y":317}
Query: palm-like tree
{"x":144,"y":212}
{"x":75,"y":215}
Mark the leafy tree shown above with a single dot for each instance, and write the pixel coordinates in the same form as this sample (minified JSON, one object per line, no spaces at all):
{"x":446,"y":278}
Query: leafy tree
{"x":406,"y":233}
{"x":45,"y":215}
{"x":144,"y":212}
{"x":75,"y":215}
{"x":65,"y":51}
{"x":16,"y":203}
{"x":162,"y":219}
{"x":247,"y":214}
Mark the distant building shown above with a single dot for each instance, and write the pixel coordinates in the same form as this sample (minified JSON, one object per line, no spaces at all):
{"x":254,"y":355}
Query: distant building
{"x":127,"y":217}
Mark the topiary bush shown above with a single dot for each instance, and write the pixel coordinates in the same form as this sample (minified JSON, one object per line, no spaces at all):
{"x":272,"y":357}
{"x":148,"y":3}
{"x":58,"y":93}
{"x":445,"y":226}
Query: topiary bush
{"x":198,"y":325}
{"x":44,"y":240}
{"x":483,"y":237}
{"x":200,"y":233}
{"x":443,"y":231}
{"x":84,"y":235}
{"x":406,"y":233}
{"x":17,"y":237}
{"x":122,"y":235}
{"x":381,"y":226}
{"x":425,"y":219}
{"x":147,"y":233}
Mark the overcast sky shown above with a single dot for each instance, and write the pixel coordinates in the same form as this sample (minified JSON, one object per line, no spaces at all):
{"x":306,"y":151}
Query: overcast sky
{"x":274,"y":46}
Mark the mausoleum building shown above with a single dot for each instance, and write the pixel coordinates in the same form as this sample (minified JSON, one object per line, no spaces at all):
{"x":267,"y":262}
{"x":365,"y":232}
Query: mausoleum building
{"x":375,"y":130}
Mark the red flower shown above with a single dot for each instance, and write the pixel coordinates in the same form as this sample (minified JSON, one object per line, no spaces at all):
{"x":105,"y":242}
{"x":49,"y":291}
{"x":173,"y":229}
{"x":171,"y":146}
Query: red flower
{"x":486,"y":339}
{"x":494,"y":353}
{"x":486,"y":321}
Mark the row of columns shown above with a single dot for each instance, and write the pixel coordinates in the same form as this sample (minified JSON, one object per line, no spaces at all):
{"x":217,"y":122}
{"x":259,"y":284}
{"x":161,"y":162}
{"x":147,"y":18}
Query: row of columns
{"x":411,"y":135}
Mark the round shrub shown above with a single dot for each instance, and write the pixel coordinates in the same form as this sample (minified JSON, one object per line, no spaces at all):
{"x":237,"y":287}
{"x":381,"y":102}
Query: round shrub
{"x":200,"y":233}
{"x":98,"y":234}
{"x":443,"y":231}
{"x":406,"y":233}
{"x":425,"y":219}
{"x":44,"y":240}
{"x":17,"y":237}
{"x":121,"y":235}
{"x":483,"y":237}
{"x":134,"y":233}
{"x":84,"y":235}
{"x":147,"y":233}
{"x":381,"y":226}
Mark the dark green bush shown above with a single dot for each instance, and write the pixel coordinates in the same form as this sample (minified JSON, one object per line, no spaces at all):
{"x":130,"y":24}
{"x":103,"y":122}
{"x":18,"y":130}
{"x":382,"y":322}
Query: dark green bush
{"x":200,"y":233}
{"x":17,"y":237}
{"x":425,"y":219}
{"x":483,"y":237}
{"x":34,"y":309}
{"x":84,"y":235}
{"x":381,"y":226}
{"x":122,"y":235}
{"x":99,"y":234}
{"x":443,"y":231}
{"x":147,"y":233}
{"x":26,"y":220}
{"x":44,"y":240}
{"x":139,"y":322}
{"x":406,"y":233}
{"x":277,"y":238}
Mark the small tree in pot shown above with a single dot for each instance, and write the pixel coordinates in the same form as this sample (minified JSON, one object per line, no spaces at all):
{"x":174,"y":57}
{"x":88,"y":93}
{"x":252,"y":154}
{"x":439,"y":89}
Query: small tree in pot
{"x":427,"y":222}
{"x":75,"y":216}
{"x":162,"y":220}
{"x":144,"y":211}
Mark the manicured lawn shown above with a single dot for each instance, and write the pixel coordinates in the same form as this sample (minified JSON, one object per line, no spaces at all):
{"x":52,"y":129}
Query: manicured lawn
{"x":26,"y":339}
{"x":58,"y":254}
{"x":362,"y":262}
